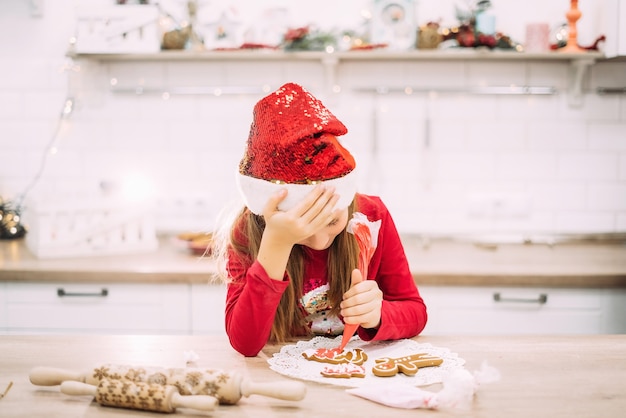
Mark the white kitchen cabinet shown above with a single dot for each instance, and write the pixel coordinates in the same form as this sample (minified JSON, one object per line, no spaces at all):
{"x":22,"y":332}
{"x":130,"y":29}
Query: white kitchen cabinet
{"x":133,"y":308}
{"x":458,"y":310}
{"x":97,"y":308}
{"x":614,"y":23}
{"x":207,"y":308}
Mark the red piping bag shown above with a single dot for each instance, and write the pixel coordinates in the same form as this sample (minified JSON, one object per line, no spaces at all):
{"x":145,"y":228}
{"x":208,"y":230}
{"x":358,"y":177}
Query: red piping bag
{"x":366,"y":234}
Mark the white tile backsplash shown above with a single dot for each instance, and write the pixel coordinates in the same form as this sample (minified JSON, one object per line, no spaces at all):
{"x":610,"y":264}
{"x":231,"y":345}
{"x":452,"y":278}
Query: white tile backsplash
{"x":445,"y":162}
{"x":588,"y":167}
{"x":448,"y":137}
{"x":559,"y":196}
{"x":602,"y":108}
{"x":585,"y":222}
{"x":607,"y":197}
{"x":434,"y":74}
{"x":547,"y":75}
{"x":12,"y":104}
{"x":465,"y":166}
{"x":504,"y":74}
{"x":545,"y":135}
{"x":530,"y":167}
{"x":529,"y":109}
{"x":496,"y":136}
{"x":607,"y":136}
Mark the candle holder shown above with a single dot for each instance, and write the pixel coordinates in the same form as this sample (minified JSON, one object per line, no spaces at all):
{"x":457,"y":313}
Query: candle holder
{"x":572,"y":15}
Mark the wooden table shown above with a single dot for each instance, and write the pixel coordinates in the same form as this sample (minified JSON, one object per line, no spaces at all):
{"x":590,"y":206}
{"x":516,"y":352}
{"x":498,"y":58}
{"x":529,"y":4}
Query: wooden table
{"x":583,"y":376}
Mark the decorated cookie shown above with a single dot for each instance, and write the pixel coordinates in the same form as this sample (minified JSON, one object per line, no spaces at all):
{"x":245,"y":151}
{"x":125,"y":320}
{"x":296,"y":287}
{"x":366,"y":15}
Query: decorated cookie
{"x":334,"y":356}
{"x":345,"y":371}
{"x":409,"y":365}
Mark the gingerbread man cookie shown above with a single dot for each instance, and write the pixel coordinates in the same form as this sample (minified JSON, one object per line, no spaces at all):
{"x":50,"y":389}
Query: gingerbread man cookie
{"x":409,"y":365}
{"x":334,"y":356}
{"x":344,"y":371}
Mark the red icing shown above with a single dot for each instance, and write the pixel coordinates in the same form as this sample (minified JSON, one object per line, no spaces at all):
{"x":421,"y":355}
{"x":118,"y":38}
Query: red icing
{"x":336,"y":356}
{"x":328,"y":353}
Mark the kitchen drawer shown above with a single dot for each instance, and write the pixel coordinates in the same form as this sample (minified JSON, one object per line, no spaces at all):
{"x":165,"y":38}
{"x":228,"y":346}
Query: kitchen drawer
{"x":456,"y":310}
{"x":208,"y":302}
{"x":97,"y":308}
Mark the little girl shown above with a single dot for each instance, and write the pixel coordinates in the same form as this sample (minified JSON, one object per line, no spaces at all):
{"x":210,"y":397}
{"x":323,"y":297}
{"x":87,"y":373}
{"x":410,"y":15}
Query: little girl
{"x":290,"y":264}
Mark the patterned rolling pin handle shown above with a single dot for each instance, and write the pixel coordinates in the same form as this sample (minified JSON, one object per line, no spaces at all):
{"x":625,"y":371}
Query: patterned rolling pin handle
{"x":409,"y":365}
{"x":188,"y":380}
{"x":226,"y":387}
{"x":137,"y":395}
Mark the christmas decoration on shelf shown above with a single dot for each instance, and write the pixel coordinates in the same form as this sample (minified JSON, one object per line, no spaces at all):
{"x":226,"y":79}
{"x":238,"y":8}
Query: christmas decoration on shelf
{"x":307,"y":39}
{"x":573,"y":14}
{"x":560,"y":36}
{"x":476,"y":29}
{"x":10,"y":222}
{"x":224,"y":32}
{"x":565,"y":36}
{"x":175,"y":38}
{"x":176,"y":33}
{"x":121,"y":29}
{"x":464,"y":36}
{"x":429,"y":36}
{"x":393,"y":24}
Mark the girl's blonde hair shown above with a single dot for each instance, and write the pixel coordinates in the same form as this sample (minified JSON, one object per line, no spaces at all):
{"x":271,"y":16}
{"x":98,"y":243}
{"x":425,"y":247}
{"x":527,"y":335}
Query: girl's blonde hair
{"x":242,"y":240}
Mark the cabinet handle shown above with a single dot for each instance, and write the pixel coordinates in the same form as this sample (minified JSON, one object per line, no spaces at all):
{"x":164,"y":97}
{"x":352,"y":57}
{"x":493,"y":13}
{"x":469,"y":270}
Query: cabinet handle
{"x":62,"y":293}
{"x":541,"y":299}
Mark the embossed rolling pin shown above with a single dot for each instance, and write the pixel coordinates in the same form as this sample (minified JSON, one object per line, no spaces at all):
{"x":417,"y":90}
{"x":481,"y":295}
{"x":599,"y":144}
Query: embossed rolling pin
{"x":138,"y":395}
{"x":227,"y":387}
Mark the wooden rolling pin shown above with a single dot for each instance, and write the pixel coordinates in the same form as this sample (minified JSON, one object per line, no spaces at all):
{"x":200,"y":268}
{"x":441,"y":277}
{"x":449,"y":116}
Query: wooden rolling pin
{"x":227,"y":387}
{"x":138,"y":395}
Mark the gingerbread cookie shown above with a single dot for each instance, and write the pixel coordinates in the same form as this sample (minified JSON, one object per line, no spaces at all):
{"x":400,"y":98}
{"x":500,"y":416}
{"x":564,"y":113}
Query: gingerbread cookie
{"x":334,"y":356}
{"x":344,"y":371}
{"x":409,"y":365}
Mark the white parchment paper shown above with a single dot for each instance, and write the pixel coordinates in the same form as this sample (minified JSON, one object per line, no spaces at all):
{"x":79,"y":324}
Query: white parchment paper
{"x":290,"y":362}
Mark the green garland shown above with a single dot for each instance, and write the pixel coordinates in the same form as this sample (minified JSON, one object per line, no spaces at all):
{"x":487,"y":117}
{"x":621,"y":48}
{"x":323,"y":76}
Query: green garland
{"x":302,"y":39}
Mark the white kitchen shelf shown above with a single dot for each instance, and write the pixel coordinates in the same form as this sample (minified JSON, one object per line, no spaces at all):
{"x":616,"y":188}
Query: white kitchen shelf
{"x":578,"y":62}
{"x":374,"y":55}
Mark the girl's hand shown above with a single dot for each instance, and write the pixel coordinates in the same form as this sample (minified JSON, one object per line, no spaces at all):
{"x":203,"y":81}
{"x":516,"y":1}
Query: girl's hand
{"x":362,"y":303}
{"x":283,"y":229}
{"x":307,"y":218}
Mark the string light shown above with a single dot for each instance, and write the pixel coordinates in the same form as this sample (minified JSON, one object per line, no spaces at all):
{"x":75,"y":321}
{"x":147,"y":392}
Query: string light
{"x":61,"y":127}
{"x":10,"y":215}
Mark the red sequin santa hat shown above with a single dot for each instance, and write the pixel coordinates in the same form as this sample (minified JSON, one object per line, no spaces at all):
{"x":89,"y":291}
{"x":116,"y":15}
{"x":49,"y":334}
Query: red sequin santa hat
{"x":293,"y":144}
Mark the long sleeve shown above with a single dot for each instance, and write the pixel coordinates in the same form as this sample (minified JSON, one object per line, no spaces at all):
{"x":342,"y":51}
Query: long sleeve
{"x":403,"y":310}
{"x":252,"y":299}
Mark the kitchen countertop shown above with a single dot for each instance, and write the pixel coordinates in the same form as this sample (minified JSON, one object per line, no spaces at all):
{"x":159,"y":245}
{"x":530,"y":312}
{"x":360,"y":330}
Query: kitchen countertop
{"x":437,"y":262}
{"x":541,"y":376}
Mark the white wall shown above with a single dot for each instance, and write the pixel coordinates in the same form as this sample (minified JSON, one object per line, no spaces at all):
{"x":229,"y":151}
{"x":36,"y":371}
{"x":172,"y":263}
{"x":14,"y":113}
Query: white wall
{"x":560,"y":168}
